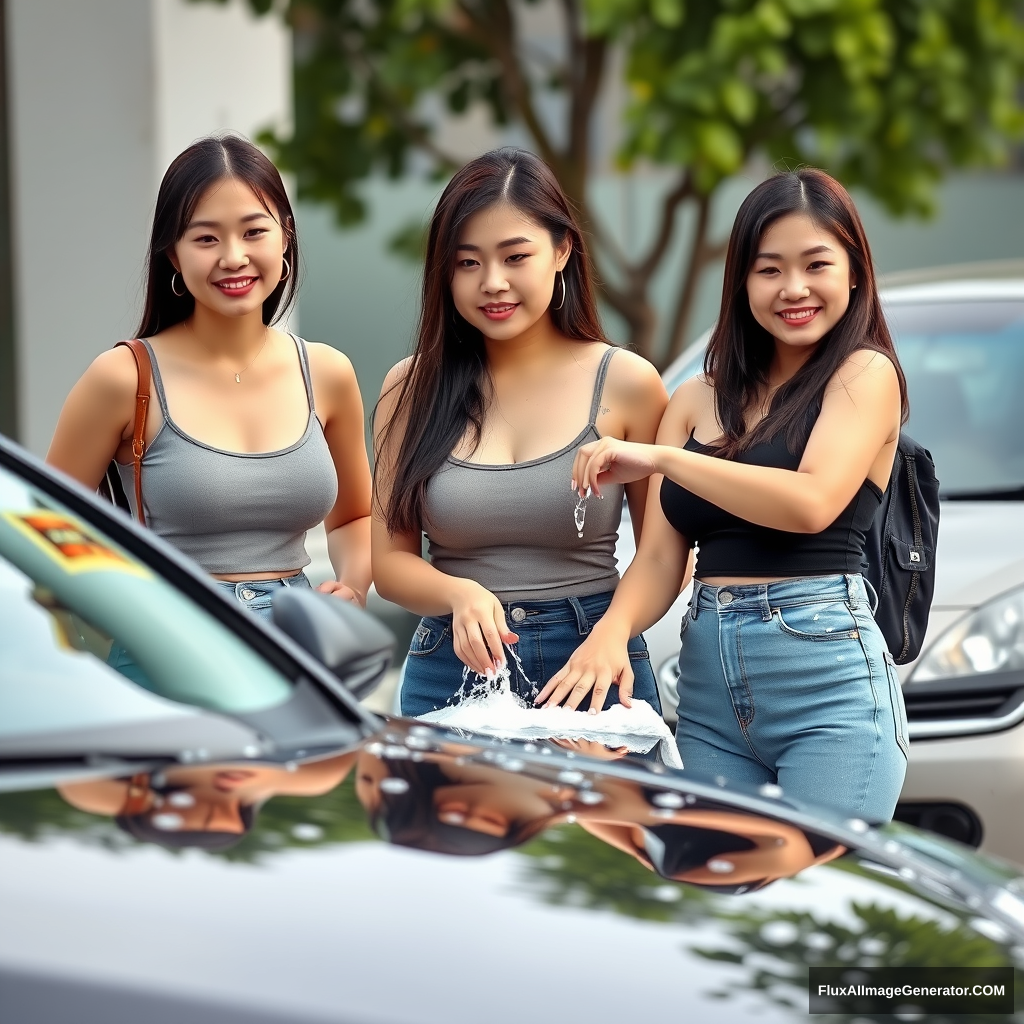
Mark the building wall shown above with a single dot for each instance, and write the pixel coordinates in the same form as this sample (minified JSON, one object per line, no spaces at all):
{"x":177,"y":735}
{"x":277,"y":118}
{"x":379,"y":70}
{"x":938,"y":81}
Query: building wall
{"x":103,"y":95}
{"x":82,"y":170}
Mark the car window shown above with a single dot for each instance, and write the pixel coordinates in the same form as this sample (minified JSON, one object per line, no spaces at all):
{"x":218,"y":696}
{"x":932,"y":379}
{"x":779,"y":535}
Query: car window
{"x":964,"y":363}
{"x":73,"y":604}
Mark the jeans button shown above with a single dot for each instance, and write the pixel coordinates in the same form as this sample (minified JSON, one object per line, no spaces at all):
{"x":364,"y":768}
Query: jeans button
{"x":725,"y":597}
{"x":247,"y":594}
{"x":518,"y":614}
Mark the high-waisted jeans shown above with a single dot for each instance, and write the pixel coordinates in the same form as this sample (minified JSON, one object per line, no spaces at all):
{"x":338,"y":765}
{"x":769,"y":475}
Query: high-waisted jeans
{"x":549,"y":632}
{"x":791,"y":683}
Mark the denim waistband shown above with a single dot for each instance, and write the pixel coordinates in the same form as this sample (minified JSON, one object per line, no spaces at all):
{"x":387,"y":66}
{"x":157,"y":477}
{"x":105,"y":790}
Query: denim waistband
{"x":257,"y":588}
{"x":763,"y":597}
{"x":580,"y":610}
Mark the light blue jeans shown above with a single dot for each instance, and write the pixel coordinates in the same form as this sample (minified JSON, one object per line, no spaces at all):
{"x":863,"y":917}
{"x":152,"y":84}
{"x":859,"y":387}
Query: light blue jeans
{"x":258,"y":595}
{"x":791,"y":683}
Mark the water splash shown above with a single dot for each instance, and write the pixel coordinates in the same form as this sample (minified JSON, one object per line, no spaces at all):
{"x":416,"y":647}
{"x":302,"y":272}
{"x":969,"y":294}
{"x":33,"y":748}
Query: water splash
{"x":580,"y":512}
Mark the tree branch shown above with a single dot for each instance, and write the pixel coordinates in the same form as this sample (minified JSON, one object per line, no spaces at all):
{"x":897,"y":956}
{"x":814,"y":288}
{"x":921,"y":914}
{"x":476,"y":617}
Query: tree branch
{"x":700,"y":255}
{"x":669,"y":207}
{"x":419,"y":134}
{"x":497,"y":35}
{"x":583,"y":74}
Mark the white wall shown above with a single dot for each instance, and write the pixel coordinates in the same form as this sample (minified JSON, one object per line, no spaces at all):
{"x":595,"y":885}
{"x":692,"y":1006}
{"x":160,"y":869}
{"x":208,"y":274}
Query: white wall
{"x":216,"y":67}
{"x":103,"y":94}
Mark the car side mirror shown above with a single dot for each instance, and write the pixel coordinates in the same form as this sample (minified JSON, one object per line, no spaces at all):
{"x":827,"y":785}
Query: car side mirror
{"x":354,"y":645}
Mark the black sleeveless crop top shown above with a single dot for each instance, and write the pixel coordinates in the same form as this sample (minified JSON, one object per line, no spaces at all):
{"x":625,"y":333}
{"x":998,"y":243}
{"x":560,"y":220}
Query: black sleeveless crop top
{"x":730,"y":546}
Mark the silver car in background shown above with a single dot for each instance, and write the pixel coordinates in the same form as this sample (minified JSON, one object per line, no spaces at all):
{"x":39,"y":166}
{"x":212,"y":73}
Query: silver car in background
{"x":960,"y":336}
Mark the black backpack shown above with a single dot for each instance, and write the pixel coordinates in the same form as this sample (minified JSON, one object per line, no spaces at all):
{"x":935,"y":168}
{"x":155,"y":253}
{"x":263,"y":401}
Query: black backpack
{"x":899,"y":551}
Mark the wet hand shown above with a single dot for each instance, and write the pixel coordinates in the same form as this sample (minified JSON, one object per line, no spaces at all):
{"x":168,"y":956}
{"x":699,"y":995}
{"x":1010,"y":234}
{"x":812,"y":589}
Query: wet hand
{"x":611,"y":461}
{"x":594,"y":666}
{"x":342,"y":590}
{"x":479,"y":630}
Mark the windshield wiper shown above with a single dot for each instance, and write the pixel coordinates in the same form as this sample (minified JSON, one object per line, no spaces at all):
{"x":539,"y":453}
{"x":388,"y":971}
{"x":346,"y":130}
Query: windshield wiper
{"x":996,"y":494}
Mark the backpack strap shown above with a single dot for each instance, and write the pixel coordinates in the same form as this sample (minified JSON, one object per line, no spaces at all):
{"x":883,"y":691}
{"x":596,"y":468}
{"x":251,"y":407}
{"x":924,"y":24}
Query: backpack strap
{"x":145,"y":368}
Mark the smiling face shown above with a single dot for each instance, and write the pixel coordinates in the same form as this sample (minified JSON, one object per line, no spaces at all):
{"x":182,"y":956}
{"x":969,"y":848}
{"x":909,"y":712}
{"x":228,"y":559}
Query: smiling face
{"x":504,"y":275}
{"x":231,"y":255}
{"x":799,"y":285}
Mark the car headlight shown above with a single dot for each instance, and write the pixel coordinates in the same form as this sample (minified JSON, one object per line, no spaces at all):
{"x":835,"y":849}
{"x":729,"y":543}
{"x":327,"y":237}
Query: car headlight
{"x":990,"y":639}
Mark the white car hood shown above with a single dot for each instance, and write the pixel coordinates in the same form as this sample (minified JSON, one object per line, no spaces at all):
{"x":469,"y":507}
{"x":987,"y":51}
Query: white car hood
{"x":980,"y":552}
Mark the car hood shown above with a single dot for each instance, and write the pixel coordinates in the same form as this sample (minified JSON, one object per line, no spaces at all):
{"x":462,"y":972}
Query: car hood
{"x":980,"y":551}
{"x":315,"y":915}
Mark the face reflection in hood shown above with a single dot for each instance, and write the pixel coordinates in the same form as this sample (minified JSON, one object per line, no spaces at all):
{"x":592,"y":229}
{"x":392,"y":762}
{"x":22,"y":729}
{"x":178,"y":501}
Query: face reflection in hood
{"x":464,"y":800}
{"x":425,"y":790}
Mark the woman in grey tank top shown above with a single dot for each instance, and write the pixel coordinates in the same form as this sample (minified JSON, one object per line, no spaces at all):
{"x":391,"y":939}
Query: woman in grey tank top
{"x":253,"y":437}
{"x":475,"y":436}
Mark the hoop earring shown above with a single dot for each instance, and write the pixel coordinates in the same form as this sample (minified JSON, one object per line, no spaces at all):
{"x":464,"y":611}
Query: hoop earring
{"x":183,"y":291}
{"x":561,"y":277}
{"x":287,"y":272}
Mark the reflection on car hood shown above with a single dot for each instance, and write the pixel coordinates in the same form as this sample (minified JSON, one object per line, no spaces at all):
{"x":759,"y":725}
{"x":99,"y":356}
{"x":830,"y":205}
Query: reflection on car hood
{"x":980,"y":551}
{"x":514,"y":880}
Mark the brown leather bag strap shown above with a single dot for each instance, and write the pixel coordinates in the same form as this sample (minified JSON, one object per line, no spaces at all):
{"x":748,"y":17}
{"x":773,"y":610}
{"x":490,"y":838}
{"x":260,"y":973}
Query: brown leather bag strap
{"x":145,"y":368}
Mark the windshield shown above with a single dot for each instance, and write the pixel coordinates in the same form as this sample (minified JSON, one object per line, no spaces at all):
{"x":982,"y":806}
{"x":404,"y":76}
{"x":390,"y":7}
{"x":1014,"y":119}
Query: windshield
{"x":964,"y":363}
{"x":73,"y":606}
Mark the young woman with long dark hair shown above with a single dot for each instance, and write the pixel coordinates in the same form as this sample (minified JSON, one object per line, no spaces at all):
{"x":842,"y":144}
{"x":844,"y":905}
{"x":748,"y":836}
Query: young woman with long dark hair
{"x":773,"y":462}
{"x":255,"y":436}
{"x":476,"y":433}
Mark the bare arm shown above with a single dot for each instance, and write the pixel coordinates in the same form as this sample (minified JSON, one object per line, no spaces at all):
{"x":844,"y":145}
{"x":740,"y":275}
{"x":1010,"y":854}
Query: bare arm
{"x":635,"y":391}
{"x":855,"y":433}
{"x":98,"y":415}
{"x":404,"y":577}
{"x":348,"y":523}
{"x":645,"y":592}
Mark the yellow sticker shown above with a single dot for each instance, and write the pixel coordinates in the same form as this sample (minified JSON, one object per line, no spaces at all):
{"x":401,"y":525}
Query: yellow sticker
{"x":65,"y":540}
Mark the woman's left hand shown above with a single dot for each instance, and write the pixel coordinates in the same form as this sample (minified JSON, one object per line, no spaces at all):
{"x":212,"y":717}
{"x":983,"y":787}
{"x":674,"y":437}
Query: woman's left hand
{"x":342,"y":590}
{"x":611,"y":461}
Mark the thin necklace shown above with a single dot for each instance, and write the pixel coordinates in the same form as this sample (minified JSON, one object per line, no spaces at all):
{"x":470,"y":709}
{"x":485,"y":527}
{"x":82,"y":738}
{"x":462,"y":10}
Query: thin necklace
{"x":238,"y":373}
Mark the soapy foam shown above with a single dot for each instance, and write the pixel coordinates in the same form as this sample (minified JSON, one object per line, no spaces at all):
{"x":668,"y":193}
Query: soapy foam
{"x":493,"y":709}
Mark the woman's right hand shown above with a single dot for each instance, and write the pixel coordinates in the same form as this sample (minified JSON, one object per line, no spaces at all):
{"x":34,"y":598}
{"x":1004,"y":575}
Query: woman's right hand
{"x":601,"y":660}
{"x":479,"y":630}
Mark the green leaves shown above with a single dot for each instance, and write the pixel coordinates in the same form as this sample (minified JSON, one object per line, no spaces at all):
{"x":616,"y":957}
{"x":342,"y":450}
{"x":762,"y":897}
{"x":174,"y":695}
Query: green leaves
{"x":887,"y":95}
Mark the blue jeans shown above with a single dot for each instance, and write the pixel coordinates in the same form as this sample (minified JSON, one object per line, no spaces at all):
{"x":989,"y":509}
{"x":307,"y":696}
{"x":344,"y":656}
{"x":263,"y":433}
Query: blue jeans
{"x":258,"y":595}
{"x":791,"y":683}
{"x":549,"y":632}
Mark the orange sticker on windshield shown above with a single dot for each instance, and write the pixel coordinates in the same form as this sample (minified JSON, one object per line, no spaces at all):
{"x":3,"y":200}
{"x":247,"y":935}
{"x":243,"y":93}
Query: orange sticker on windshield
{"x":67,"y":543}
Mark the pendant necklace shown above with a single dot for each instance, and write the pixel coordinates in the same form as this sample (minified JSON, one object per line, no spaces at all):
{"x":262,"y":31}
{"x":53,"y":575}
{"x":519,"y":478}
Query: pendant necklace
{"x":238,"y":373}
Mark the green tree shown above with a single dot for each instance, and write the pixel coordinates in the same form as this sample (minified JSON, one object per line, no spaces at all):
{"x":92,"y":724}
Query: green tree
{"x":886,"y":94}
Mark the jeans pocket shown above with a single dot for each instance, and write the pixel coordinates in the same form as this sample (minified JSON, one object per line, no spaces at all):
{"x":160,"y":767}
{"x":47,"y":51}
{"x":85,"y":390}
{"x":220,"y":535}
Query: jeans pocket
{"x":899,"y":708}
{"x":818,"y":621}
{"x":429,"y":636}
{"x":685,"y":624}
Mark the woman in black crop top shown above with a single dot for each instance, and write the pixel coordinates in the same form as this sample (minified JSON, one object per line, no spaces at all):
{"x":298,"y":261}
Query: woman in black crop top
{"x":772,"y":463}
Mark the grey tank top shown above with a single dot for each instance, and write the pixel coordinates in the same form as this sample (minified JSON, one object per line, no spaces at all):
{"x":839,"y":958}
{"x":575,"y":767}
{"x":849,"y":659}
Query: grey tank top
{"x":511,"y":528}
{"x":234,"y":511}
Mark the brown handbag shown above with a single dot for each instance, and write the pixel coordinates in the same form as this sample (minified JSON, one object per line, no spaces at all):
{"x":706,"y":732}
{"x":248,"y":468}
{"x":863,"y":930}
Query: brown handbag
{"x":110,"y":487}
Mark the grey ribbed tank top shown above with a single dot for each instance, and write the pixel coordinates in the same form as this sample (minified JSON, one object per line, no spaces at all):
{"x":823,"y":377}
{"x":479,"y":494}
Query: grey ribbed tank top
{"x":236,"y":511}
{"x":511,"y":529}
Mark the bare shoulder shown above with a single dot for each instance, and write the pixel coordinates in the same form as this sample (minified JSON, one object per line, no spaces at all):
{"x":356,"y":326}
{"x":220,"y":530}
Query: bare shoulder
{"x":112,"y":375}
{"x":330,"y":363}
{"x":632,"y":372}
{"x":866,"y":371}
{"x":397,"y":375}
{"x":692,"y":399}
